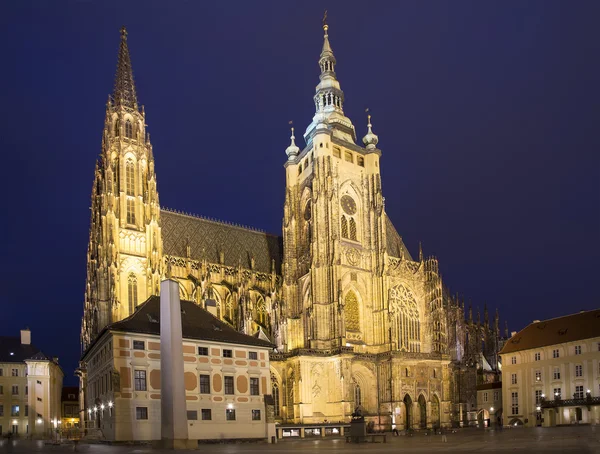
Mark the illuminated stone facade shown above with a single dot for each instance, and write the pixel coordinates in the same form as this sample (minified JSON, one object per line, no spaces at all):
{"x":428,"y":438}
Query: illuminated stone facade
{"x":358,"y":322}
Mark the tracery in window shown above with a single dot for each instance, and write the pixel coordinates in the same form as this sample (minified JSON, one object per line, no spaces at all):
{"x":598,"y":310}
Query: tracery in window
{"x":261,"y":314}
{"x":275,"y":388}
{"x":404,"y":315}
{"x":351,"y":312}
{"x":129,"y":177}
{"x":128,"y":129}
{"x":130,"y":211}
{"x":344,"y":227}
{"x":352,"y":229}
{"x":132,"y":292}
{"x":357,"y":395}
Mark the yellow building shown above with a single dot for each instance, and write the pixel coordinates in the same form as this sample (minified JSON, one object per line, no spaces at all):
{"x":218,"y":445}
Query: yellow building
{"x":551,"y":372}
{"x":226,"y":378}
{"x":30,"y":386}
{"x":70,"y":411}
{"x":357,"y":321}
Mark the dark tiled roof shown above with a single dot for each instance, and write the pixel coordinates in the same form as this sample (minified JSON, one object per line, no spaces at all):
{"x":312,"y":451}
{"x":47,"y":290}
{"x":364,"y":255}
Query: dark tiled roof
{"x":394,"y":241}
{"x":208,"y":238}
{"x":485,"y":386}
{"x":196,"y":323}
{"x":69,"y":390}
{"x":21,"y":352}
{"x":583,"y":325}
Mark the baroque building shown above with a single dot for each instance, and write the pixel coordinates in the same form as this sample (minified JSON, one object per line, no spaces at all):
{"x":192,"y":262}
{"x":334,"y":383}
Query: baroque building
{"x":357,"y":320}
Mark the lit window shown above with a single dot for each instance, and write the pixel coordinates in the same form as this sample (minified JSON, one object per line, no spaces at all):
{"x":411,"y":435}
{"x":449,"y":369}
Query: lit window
{"x":230,"y":414}
{"x":14,"y":410}
{"x":538,"y":375}
{"x":141,"y":412}
{"x":255,"y":415}
{"x":538,"y":396}
{"x":129,"y":178}
{"x":557,"y":393}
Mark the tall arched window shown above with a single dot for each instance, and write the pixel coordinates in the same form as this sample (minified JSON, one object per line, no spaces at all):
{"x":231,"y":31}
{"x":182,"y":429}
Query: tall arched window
{"x":344,"y":227}
{"x":357,"y":395}
{"x":351,"y":312}
{"x":262,"y":315}
{"x":276,"y":400}
{"x":128,"y":129}
{"x":352,"y":229}
{"x":132,"y":292}
{"x":129,"y":177}
{"x":406,"y":327}
{"x":130,"y":211}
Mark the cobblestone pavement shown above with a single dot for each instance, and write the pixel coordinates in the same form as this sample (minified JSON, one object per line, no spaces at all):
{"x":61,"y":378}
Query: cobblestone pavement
{"x":583,"y":439}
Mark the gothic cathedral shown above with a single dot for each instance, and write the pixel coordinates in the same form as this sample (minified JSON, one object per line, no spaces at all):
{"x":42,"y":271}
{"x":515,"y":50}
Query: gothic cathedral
{"x":356,"y":320}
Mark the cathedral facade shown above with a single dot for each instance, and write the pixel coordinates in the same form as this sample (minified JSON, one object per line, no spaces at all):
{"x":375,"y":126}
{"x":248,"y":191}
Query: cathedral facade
{"x":356,"y":320}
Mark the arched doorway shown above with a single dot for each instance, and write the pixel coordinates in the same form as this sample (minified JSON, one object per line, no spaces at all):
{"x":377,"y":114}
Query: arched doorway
{"x":422,"y":412}
{"x":435,"y":412}
{"x":408,"y":411}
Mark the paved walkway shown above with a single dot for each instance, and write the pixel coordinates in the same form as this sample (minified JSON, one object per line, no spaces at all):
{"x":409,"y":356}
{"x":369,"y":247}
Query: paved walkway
{"x":583,"y":439}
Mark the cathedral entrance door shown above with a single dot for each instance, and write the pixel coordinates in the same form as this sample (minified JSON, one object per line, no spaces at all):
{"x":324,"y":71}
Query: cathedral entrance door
{"x":408,"y":411}
{"x":422,"y":412}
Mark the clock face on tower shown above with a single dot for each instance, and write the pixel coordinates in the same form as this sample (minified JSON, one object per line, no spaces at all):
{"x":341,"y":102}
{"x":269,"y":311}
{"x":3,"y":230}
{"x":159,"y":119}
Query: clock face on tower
{"x":348,"y":205}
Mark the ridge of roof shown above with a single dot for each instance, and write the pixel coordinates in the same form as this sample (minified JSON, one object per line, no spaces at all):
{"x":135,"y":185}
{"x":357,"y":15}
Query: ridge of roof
{"x":568,"y":328}
{"x":218,"y":221}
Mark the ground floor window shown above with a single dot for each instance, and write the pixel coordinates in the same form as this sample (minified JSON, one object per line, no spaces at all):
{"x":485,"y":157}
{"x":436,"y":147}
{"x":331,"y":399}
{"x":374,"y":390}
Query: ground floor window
{"x":206,"y":414}
{"x":230,"y":414}
{"x":255,"y":415}
{"x":192,"y":415}
{"x":515,"y":403}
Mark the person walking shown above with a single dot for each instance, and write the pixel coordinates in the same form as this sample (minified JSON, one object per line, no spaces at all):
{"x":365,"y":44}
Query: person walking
{"x":444,"y":439}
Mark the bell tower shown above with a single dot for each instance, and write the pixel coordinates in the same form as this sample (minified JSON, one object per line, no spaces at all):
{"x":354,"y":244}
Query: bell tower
{"x":125,"y":249}
{"x":333,"y":227}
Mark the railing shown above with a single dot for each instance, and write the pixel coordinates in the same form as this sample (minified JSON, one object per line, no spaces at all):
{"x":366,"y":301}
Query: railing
{"x":585,"y":401}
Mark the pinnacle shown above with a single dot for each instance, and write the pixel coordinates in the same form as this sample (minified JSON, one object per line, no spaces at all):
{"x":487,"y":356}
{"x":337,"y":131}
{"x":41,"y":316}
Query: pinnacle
{"x":124,"y":92}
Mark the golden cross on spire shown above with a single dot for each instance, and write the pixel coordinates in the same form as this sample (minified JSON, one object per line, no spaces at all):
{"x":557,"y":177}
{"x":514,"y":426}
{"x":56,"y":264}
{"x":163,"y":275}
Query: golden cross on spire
{"x":325,"y":26}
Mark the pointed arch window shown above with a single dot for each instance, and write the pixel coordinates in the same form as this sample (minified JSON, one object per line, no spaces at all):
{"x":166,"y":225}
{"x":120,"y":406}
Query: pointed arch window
{"x":129,"y":177}
{"x":357,"y":395}
{"x":128,"y":129}
{"x":352,"y":229}
{"x":132,"y":292}
{"x":344,"y":227}
{"x":276,"y":411}
{"x":351,"y":312}
{"x":130,"y":211}
{"x":262,"y":316}
{"x":405,"y":323}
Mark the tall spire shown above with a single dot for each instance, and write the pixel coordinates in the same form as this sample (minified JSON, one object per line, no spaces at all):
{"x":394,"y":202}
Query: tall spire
{"x":329,"y":98}
{"x":124,"y":93}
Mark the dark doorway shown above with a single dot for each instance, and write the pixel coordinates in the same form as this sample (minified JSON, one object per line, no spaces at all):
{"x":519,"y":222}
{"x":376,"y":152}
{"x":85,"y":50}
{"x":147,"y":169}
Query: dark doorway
{"x":422,"y":412}
{"x":408,"y":412}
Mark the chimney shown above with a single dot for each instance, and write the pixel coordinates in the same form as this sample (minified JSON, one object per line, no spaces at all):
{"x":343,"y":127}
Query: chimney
{"x":25,"y":336}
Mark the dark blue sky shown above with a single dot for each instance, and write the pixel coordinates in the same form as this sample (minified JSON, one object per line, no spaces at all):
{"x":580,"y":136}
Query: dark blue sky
{"x":487,"y":115}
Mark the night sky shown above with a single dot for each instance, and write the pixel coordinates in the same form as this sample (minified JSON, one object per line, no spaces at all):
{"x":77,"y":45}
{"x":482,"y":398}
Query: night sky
{"x":487,"y":115}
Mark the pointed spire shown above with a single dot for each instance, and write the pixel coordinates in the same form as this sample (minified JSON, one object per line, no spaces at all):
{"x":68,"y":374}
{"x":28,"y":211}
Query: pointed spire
{"x":292,"y":150}
{"x":421,"y":254}
{"x":124,"y":93}
{"x":370,"y":140}
{"x":326,"y":52}
{"x":486,"y":318}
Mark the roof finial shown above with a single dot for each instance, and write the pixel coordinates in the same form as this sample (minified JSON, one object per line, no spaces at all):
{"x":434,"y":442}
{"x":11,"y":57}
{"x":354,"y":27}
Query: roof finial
{"x":370,"y":140}
{"x":123,"y":32}
{"x":292,"y":150}
{"x":325,"y":26}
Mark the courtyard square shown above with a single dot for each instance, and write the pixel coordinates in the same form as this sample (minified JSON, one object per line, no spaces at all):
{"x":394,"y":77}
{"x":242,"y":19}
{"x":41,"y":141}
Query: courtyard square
{"x":582,"y":439}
